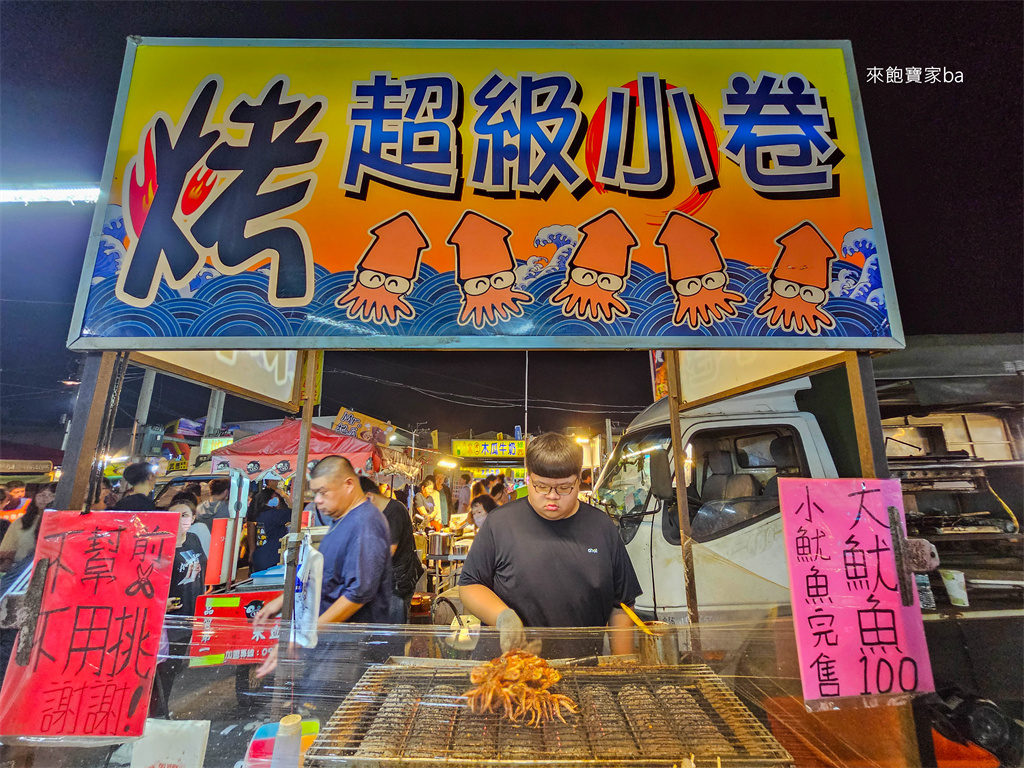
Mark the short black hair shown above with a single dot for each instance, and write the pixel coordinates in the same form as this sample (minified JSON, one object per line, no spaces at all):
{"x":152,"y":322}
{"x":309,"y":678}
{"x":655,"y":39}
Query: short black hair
{"x":554,"y":456}
{"x":484,"y":500}
{"x":333,"y":465}
{"x":368,"y":485}
{"x":218,"y":486}
{"x":466,"y":477}
{"x":137,"y":474}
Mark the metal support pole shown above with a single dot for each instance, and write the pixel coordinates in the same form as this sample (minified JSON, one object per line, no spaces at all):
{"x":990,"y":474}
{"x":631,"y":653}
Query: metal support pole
{"x":84,"y":434}
{"x":214,"y":413}
{"x":867,"y":418}
{"x":526,"y":398}
{"x":284,"y":647}
{"x":299,"y":491}
{"x":679,"y":453}
{"x":142,"y":407}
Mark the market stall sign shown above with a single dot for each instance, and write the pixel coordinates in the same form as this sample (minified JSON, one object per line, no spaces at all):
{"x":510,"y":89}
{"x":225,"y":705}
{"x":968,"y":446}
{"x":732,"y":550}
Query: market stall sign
{"x":25,"y":467}
{"x":419,"y":194}
{"x":82,"y":671}
{"x":857,"y":644}
{"x":355,"y":424}
{"x":226,"y":635}
{"x":489,"y":449}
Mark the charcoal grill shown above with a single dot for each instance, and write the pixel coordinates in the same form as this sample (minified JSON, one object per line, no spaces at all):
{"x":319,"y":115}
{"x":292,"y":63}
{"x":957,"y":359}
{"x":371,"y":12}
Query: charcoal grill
{"x":407,"y":713}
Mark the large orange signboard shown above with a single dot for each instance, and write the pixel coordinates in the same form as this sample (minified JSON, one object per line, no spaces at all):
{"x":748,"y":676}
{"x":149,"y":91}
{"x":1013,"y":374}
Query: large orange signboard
{"x":345,"y":194}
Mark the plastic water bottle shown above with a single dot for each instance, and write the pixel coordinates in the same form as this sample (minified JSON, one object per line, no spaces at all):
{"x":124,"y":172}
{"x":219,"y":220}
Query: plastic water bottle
{"x":287,"y":744}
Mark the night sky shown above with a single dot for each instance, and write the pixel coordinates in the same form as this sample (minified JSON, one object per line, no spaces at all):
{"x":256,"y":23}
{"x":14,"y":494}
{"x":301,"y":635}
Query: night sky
{"x":947,"y":160}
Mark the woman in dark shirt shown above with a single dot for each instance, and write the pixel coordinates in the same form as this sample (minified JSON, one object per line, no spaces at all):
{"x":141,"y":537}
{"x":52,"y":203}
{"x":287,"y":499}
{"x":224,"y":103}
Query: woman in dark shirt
{"x":188,"y":576}
{"x":267,"y":527}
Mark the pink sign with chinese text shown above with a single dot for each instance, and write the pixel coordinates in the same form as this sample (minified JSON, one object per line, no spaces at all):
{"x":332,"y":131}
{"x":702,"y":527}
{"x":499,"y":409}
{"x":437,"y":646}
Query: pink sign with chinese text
{"x":86,"y":673}
{"x":855,"y":638}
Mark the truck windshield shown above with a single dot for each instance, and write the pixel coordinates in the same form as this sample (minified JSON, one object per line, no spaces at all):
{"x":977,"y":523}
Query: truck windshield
{"x":625,"y":485}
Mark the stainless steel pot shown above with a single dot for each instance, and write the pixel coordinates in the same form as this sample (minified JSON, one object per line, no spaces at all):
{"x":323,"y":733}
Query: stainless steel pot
{"x":439,"y":543}
{"x":460,"y":548}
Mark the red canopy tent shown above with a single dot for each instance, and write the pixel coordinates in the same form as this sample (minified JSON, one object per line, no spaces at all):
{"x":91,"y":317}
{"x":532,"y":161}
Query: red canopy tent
{"x":277,"y":449}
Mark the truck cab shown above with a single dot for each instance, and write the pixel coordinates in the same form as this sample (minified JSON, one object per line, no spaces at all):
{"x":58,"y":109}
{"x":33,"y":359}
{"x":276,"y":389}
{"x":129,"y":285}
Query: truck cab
{"x":735,"y":452}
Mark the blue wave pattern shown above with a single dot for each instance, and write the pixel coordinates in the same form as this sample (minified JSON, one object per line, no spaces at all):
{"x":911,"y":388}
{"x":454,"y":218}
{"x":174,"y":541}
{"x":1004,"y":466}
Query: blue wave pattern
{"x":220,"y":306}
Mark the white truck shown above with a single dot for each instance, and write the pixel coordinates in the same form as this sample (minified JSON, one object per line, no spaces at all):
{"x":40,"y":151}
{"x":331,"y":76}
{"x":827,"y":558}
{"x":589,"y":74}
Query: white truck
{"x":735,"y":451}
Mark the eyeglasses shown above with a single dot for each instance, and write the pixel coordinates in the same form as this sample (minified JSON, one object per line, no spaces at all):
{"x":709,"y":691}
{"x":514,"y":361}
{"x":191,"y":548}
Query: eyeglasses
{"x":561,"y":490}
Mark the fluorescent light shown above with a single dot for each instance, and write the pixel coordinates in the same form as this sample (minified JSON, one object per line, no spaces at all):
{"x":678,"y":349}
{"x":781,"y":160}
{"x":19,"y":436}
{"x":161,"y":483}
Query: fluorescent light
{"x":582,"y":440}
{"x":65,"y":194}
{"x":447,"y":464}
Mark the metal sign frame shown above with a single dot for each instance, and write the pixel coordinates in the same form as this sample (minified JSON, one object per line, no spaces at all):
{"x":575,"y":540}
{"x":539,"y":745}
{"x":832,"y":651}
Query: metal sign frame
{"x":488,"y":339}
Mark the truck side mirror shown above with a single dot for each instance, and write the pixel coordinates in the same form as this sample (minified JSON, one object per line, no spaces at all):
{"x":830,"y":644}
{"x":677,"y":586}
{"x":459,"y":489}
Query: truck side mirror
{"x":661,"y":476}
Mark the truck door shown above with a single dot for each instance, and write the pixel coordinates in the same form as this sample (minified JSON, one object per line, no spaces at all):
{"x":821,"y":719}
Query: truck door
{"x":732,"y":474}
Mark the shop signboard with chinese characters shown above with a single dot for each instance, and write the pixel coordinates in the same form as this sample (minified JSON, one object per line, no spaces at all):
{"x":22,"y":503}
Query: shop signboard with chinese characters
{"x":421,"y":194}
{"x":857,"y":644}
{"x":83,"y":668}
{"x":510,"y":473}
{"x":226,"y":635}
{"x":489,"y":449}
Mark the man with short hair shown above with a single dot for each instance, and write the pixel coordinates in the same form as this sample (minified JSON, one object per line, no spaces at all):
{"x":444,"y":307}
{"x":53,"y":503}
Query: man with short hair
{"x":550,"y":560}
{"x":406,"y":567}
{"x":16,"y":501}
{"x":357,"y":582}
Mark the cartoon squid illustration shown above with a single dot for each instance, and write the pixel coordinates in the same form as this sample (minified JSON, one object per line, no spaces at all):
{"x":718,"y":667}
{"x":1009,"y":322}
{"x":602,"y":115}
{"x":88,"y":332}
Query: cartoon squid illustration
{"x":598,"y":270}
{"x":386,"y":272}
{"x":485,"y":271}
{"x":696,"y":271}
{"x":799,"y":282}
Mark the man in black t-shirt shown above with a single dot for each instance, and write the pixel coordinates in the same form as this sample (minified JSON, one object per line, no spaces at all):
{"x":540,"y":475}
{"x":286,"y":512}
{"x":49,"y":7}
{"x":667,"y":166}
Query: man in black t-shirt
{"x":406,"y":567}
{"x":549,"y":560}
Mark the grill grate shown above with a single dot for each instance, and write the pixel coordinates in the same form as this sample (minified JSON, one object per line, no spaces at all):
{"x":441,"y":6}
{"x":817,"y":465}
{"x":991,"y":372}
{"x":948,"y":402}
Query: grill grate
{"x":400,"y":715}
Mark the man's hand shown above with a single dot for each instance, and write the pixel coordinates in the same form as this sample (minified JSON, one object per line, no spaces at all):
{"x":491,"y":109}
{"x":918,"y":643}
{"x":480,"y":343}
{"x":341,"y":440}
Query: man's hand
{"x":268,"y":612}
{"x":513,"y":635}
{"x":269,"y":664}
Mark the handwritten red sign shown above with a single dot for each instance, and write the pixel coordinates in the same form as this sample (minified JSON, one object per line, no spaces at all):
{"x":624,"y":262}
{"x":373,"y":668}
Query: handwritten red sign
{"x":86,"y":669}
{"x":227,"y":636}
{"x":855,"y":638}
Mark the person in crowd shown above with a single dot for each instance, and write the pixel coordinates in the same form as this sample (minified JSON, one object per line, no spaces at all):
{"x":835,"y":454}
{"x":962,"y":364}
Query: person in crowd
{"x":406,"y":567}
{"x":16,"y":552}
{"x":489,"y":482}
{"x":443,"y":497}
{"x":480,"y":507}
{"x":477,"y":489}
{"x":425,"y":505}
{"x":188,"y":576}
{"x":499,"y":494}
{"x":215,"y":508}
{"x":356,"y":586}
{"x":15,"y":502}
{"x":141,"y":480}
{"x":268,"y":525}
{"x":4,"y":522}
{"x":550,"y":560}
{"x":19,"y":543}
{"x":462,"y":495}
{"x":217,"y":505}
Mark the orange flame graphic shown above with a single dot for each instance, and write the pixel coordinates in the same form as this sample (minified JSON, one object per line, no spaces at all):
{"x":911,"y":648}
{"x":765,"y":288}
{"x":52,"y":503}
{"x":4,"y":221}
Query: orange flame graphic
{"x":140,"y":195}
{"x":199,"y":188}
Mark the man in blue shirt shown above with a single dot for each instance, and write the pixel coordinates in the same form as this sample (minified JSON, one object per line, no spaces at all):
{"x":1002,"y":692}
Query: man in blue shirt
{"x":357,"y":577}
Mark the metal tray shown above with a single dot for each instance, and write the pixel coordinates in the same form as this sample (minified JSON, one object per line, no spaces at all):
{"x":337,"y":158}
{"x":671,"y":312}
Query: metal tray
{"x":413,"y":714}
